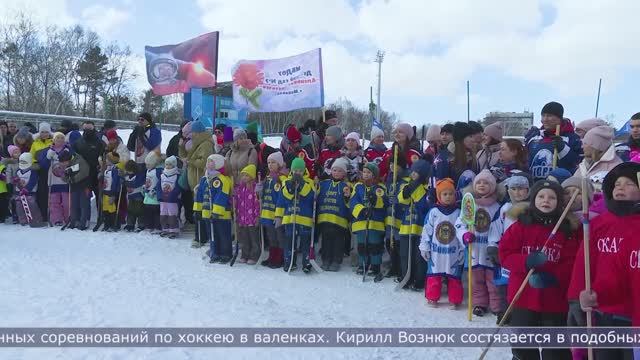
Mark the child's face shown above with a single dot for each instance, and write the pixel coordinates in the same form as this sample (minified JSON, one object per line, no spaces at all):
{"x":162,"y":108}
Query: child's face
{"x":506,"y":154}
{"x":415,"y":176}
{"x":299,"y":172}
{"x":337,"y":173}
{"x":378,"y":140}
{"x":211,"y":165}
{"x":399,"y":137}
{"x":568,"y":193}
{"x":149,"y":166}
{"x":16,"y":154}
{"x":273,"y":166}
{"x":482,"y":187}
{"x":330,"y":140}
{"x":626,"y":189}
{"x":58,"y":141}
{"x":351,"y":144}
{"x":448,"y":196}
{"x":367,"y":174}
{"x":546,"y":201}
{"x":168,"y":166}
{"x":446,"y":138}
{"x":246,"y":178}
{"x":518,"y":193}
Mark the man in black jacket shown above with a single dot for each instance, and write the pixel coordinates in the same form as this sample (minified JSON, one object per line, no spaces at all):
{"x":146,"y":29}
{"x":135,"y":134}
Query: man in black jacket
{"x":91,"y":147}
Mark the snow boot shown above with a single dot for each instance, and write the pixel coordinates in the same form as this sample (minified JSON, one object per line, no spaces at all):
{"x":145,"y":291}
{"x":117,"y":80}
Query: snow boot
{"x":479,"y":311}
{"x":334,"y":267}
{"x":325,"y":266}
{"x":172,"y":235}
{"x":140,"y":229}
{"x":128,"y":228}
{"x":306,"y":268}
{"x":196,"y":244}
{"x":432,"y":303}
{"x":360,"y":270}
{"x":454,"y":306}
{"x":224,"y":259}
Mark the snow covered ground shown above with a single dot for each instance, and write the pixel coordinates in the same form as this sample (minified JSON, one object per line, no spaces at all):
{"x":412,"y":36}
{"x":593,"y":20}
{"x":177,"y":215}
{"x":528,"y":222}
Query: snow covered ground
{"x":85,"y":279}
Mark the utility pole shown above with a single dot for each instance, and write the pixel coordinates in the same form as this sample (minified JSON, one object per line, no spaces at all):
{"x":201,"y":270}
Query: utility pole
{"x":379,"y":59}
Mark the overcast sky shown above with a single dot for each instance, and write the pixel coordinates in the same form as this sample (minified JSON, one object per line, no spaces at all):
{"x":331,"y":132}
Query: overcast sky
{"x":517,"y":54}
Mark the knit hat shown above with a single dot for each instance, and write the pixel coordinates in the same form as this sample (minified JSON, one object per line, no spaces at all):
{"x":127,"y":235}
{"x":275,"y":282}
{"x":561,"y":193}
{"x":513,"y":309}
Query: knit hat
{"x":227,"y":134}
{"x":198,"y":127}
{"x":293,"y":134}
{"x":146,"y":116}
{"x":546,"y":184}
{"x":406,"y":129}
{"x":620,"y":207}
{"x":186,"y":129}
{"x":239,"y":134}
{"x":217,"y":159}
{"x":442,"y":185}
{"x":488,"y":176}
{"x":12,"y":148}
{"x":354,"y":136}
{"x":108,"y":124}
{"x":465,"y":179}
{"x":476,"y":128}
{"x":461,"y":130}
{"x":373,"y":168}
{"x":375,"y":132}
{"x":131,"y":166}
{"x":330,"y":114}
{"x":340,"y":163}
{"x":65,"y":155}
{"x":253,"y":137}
{"x":599,"y":138}
{"x":433,"y":134}
{"x":44,"y":127}
{"x":152,"y":159}
{"x":297,"y":164}
{"x":58,"y":135}
{"x":520,"y":180}
{"x":111,"y":134}
{"x":277,"y":157}
{"x":113,"y":157}
{"x":494,"y":131}
{"x":66,"y":124}
{"x":250,"y":170}
{"x":334,"y":131}
{"x":25,"y":161}
{"x":74,"y":136}
{"x":446,"y":128}
{"x":586,"y":125}
{"x":553,"y":108}
{"x":576,"y":181}
{"x":422,"y":168}
{"x":171,"y":160}
{"x":559,"y":174}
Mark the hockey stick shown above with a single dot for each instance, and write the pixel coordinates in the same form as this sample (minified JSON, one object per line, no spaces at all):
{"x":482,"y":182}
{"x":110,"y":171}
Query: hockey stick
{"x":366,"y":239}
{"x":260,"y":225}
{"x":468,"y":216}
{"x":312,"y":251}
{"x":405,"y":280}
{"x":555,"y":150}
{"x":587,"y":259}
{"x":516,"y":297}
{"x":117,"y":222}
{"x":234,"y":218}
{"x":69,"y":204}
{"x":293,"y":233}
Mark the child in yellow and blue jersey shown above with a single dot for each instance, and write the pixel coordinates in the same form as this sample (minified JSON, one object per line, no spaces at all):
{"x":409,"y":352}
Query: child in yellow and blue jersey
{"x":269,"y":194}
{"x":414,"y":196}
{"x":111,"y":192}
{"x":369,"y":209}
{"x":295,"y":206}
{"x":393,"y":222}
{"x":333,"y":214}
{"x":214,"y":200}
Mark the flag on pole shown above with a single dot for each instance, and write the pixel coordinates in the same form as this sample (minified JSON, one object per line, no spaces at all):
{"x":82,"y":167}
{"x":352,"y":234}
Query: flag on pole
{"x":624,"y":130}
{"x":285,"y":84}
{"x":177,"y":68}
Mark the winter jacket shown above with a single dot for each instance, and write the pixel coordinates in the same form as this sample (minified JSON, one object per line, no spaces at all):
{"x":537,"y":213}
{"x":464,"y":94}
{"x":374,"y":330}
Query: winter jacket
{"x":440,"y":241}
{"x":502,"y":171}
{"x":399,"y":209}
{"x":509,"y":215}
{"x":325,"y":160}
{"x":3,"y":178}
{"x":263,"y":151}
{"x":38,"y":145}
{"x":540,"y":149}
{"x":416,"y":207}
{"x":247,"y":204}
{"x":485,"y":231}
{"x":628,"y":150}
{"x":488,"y":156}
{"x":144,"y":140}
{"x":27,"y":180}
{"x":304,"y":155}
{"x":443,"y":164}
{"x":237,"y":159}
{"x":197,"y":157}
{"x":150,"y":186}
{"x":356,"y":163}
{"x":606,"y":232}
{"x":173,"y":147}
{"x":361,"y":198}
{"x":375,"y":154}
{"x":599,"y":169}
{"x":168,"y":189}
{"x":213,"y":197}
{"x":519,"y":241}
{"x":111,"y":183}
{"x":332,"y":205}
{"x":77,"y":173}
{"x":271,"y":190}
{"x":122,"y":151}
{"x":134,"y":184}
{"x":55,"y":174}
{"x":286,"y":206}
{"x":406,"y":157}
{"x":90,"y":148}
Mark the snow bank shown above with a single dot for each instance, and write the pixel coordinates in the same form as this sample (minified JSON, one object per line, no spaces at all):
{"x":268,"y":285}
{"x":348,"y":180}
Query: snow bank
{"x":85,"y":279}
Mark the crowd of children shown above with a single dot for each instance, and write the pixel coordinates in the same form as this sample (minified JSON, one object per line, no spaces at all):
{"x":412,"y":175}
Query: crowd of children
{"x":384,"y":203}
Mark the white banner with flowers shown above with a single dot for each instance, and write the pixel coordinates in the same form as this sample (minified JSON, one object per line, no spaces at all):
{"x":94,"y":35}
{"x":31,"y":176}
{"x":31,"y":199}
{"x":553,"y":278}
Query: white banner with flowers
{"x":285,"y":84}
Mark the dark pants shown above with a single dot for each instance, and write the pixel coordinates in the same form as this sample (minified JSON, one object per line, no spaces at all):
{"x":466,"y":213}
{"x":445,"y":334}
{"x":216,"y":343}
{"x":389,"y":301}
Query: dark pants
{"x":371,"y":254}
{"x":4,"y":206}
{"x":135,"y":213}
{"x":522,"y":318}
{"x":220,"y":244}
{"x":608,"y":320}
{"x":124,"y":207}
{"x":80,"y":207}
{"x":333,"y":238}
{"x":394,"y":254}
{"x":186,"y":202}
{"x":42,"y":195}
{"x":418,"y":265}
{"x":152,"y":217}
{"x":303,"y":235}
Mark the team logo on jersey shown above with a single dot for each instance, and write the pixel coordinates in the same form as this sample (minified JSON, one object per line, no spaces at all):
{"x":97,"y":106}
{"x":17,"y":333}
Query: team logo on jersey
{"x":216,"y":183}
{"x":277,"y":187}
{"x":379,"y":192}
{"x":445,"y":232}
{"x":541,"y":164}
{"x":483,"y":220}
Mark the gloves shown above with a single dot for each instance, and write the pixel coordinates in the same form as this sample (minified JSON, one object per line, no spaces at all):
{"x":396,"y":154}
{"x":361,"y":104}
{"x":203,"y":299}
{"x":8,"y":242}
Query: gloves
{"x":346,"y":192}
{"x":535,"y":260}
{"x":277,"y":222}
{"x":51,"y":154}
{"x":492,"y":255}
{"x":542,"y":280}
{"x":558,"y":143}
{"x":24,"y":192}
{"x":372,"y":198}
{"x":409,"y":188}
{"x":468,"y":238}
{"x":576,"y":317}
{"x":426,"y":255}
{"x":259,"y":188}
{"x":364,"y":213}
{"x":588,"y":300}
{"x":68,"y":172}
{"x":15,"y":180}
{"x":197,"y":215}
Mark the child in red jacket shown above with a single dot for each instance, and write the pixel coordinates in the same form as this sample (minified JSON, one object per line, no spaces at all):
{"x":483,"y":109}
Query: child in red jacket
{"x":543,"y":301}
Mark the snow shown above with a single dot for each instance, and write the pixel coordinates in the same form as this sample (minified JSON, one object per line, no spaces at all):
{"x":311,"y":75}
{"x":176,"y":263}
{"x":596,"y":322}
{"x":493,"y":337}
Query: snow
{"x":85,"y":279}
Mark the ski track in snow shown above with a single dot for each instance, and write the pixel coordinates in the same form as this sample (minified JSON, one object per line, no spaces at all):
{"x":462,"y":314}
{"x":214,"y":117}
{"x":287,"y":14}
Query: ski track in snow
{"x":85,"y":279}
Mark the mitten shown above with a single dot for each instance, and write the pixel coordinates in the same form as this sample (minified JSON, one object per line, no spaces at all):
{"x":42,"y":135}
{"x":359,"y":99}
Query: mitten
{"x":468,"y":238}
{"x":535,"y":260}
{"x":588,"y":300}
{"x":558,"y":143}
{"x":542,"y":280}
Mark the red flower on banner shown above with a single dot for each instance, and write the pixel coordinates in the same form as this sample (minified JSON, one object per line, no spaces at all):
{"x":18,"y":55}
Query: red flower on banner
{"x":248,"y":76}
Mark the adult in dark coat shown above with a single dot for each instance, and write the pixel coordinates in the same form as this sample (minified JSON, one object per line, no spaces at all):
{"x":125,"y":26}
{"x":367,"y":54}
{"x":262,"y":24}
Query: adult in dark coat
{"x":91,"y":147}
{"x":186,"y":197}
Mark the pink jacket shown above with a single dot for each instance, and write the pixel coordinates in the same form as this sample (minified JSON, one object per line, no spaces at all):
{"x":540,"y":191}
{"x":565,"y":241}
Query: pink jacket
{"x":598,"y":170}
{"x":247,"y":204}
